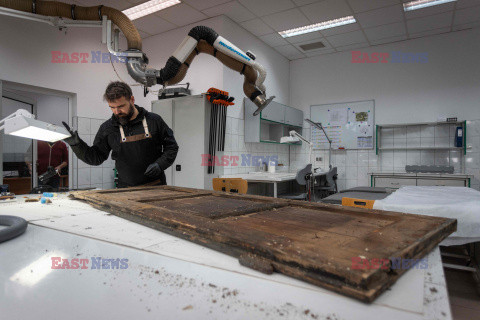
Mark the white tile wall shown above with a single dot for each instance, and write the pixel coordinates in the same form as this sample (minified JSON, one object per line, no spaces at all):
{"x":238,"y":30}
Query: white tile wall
{"x":235,"y":145}
{"x":354,"y":165}
{"x":84,"y":175}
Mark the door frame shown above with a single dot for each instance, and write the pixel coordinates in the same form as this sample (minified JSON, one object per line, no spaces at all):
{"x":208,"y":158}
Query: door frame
{"x":72,"y":112}
{"x":26,"y":100}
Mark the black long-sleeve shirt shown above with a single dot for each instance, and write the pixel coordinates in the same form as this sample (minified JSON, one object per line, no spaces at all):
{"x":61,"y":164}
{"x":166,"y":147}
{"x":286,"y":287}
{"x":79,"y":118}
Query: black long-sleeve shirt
{"x":132,"y":158}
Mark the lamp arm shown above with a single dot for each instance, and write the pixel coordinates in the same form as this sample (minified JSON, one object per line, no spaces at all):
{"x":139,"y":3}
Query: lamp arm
{"x":319,"y":126}
{"x":294,"y":133}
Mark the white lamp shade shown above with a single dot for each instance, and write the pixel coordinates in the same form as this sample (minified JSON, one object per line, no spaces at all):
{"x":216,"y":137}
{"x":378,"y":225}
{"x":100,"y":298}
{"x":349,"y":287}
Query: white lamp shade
{"x":34,"y":129}
{"x":289,"y":139}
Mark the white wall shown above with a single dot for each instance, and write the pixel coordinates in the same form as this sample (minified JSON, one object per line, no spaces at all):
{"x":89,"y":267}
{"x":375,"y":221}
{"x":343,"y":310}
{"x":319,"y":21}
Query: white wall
{"x":52,"y":109}
{"x":447,"y":85}
{"x":26,"y":56}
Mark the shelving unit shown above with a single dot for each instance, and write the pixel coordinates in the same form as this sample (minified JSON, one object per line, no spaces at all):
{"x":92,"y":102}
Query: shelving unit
{"x":379,"y":128}
{"x":274,"y":122}
{"x":421,"y":148}
{"x":395,"y":180}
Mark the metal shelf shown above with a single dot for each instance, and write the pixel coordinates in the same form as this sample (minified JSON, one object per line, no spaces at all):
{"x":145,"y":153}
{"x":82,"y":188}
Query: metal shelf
{"x":420,"y":124}
{"x":420,"y":148}
{"x":384,"y":126}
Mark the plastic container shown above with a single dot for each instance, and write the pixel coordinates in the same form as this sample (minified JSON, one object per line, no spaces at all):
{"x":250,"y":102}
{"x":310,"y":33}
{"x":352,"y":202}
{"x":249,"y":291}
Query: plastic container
{"x":271,"y":166}
{"x":49,"y":194}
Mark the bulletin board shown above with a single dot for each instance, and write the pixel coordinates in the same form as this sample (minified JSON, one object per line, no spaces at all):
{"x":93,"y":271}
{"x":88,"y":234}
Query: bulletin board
{"x":350,"y":125}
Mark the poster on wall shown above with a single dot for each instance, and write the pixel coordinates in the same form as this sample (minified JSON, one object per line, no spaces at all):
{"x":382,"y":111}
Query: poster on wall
{"x":350,"y":125}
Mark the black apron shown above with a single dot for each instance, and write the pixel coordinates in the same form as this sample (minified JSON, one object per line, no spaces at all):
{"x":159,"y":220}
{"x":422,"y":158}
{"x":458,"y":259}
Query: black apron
{"x":130,"y":166}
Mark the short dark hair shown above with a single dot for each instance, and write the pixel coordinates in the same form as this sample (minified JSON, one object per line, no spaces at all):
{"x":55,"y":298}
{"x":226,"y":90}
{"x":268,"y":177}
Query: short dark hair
{"x":117,"y":89}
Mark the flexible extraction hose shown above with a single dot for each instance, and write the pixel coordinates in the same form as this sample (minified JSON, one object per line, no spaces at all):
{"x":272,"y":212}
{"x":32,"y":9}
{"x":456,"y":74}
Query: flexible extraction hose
{"x":71,"y":11}
{"x":15,"y":227}
{"x":203,"y":39}
{"x":200,"y":39}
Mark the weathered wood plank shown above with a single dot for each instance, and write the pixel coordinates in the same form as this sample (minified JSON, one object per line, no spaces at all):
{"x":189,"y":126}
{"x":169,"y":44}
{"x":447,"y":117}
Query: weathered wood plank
{"x":309,"y":241}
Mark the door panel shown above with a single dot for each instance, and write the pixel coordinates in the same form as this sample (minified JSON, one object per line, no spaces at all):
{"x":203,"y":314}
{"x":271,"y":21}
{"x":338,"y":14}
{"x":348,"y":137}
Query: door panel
{"x":189,"y":130}
{"x":17,"y":151}
{"x":313,"y":242}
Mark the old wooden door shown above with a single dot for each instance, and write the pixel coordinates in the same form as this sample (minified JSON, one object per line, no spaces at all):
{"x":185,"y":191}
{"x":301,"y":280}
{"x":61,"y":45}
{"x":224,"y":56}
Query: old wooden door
{"x":352,"y":251}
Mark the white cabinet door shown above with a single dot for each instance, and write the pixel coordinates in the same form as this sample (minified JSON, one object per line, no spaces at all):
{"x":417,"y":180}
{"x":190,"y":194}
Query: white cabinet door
{"x":441,"y":182}
{"x":274,"y":112}
{"x":293,"y":117}
{"x":164,"y":108}
{"x":189,"y":131}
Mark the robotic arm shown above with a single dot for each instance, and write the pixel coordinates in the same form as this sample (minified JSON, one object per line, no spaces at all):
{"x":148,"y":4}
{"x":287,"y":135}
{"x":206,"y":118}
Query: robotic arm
{"x":206,"y":40}
{"x":199,"y":39}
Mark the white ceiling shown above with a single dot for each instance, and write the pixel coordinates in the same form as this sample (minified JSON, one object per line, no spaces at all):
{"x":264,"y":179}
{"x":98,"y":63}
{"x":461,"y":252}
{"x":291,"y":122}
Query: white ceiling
{"x":378,"y":21}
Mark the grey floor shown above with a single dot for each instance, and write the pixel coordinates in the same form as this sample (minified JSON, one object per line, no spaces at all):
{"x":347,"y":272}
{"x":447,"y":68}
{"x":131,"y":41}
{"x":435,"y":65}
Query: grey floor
{"x":464,"y":297}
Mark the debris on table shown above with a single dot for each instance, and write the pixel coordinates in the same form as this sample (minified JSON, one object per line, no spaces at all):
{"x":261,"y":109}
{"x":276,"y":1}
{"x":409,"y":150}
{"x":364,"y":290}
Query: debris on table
{"x":338,"y":248}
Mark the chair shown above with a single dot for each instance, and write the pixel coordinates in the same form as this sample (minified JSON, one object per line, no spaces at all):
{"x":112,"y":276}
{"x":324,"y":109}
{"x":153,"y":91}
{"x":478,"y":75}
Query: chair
{"x":303,"y":178}
{"x":330,"y":187}
{"x":234,"y":185}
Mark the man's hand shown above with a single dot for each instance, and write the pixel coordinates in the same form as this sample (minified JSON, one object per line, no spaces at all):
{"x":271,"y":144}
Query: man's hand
{"x":153,"y":170}
{"x":74,"y":139}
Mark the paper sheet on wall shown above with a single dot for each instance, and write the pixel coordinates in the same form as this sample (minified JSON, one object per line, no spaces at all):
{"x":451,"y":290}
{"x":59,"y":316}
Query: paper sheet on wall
{"x":365,"y":142}
{"x":338,"y":117}
{"x":320,"y":141}
{"x":349,"y":125}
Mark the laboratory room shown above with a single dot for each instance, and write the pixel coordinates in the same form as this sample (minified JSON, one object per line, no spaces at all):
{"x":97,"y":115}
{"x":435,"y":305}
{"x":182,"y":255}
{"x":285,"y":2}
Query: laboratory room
{"x":240,"y":159}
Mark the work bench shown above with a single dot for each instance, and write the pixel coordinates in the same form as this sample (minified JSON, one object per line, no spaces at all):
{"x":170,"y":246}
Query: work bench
{"x":171,"y":278}
{"x":269,"y":178}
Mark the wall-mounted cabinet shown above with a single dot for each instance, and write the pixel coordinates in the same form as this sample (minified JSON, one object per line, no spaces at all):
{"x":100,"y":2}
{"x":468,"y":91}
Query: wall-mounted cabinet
{"x":273,"y":112}
{"x":293,"y":117}
{"x":274,"y":122}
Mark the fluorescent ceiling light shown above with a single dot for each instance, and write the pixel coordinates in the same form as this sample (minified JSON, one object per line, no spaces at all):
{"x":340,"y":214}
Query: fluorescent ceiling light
{"x":22,"y":124}
{"x":318,"y":26}
{"x":148,"y":7}
{"x":419,"y":4}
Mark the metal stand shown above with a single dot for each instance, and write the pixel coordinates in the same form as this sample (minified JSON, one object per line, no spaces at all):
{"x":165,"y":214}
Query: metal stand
{"x":319,"y":126}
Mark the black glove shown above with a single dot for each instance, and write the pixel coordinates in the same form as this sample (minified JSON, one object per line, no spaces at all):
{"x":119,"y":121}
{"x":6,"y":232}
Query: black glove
{"x":153,"y":170}
{"x":74,"y":139}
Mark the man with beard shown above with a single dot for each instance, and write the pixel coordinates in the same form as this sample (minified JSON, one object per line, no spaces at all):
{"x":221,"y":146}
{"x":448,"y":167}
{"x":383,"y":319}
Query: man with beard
{"x":142,"y":144}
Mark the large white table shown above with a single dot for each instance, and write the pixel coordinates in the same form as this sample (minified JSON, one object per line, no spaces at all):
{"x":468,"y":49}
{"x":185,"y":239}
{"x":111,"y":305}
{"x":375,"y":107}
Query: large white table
{"x":171,"y":278}
{"x":266,"y":177}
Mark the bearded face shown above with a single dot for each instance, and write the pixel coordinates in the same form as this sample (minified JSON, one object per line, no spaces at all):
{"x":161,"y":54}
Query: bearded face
{"x":124,"y":116}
